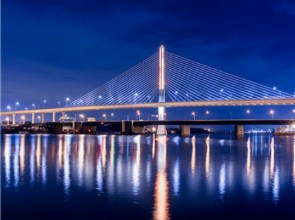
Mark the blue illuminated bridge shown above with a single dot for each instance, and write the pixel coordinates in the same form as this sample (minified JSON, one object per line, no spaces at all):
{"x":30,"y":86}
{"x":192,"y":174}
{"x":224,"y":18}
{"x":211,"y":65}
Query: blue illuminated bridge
{"x":168,"y":80}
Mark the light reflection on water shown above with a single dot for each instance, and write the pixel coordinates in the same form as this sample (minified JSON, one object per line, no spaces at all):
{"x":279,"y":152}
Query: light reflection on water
{"x":155,"y":172}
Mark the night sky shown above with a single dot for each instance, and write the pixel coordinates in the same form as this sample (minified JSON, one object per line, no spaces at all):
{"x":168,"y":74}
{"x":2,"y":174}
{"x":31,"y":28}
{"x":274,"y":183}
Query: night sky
{"x":53,"y":49}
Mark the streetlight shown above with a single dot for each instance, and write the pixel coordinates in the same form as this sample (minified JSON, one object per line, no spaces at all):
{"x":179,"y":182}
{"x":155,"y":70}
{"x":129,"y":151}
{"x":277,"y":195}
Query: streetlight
{"x":194,"y":115}
{"x":67,"y":100}
{"x":26,"y":108}
{"x":105,"y":116}
{"x":248,"y":111}
{"x":16,"y":104}
{"x":44,"y":101}
{"x":112,"y":114}
{"x":8,"y":107}
{"x":293,"y":111}
{"x":272,"y":113}
{"x":207,"y":113}
{"x":39,"y":118}
{"x":58,"y":103}
{"x":138,"y":114}
{"x":82,"y":116}
{"x":34,"y":106}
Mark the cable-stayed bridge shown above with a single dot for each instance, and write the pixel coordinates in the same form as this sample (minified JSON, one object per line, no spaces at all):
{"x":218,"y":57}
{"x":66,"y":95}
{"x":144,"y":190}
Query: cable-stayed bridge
{"x":168,"y":80}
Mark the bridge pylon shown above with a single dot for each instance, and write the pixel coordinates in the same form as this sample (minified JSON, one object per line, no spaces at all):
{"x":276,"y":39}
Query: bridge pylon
{"x":161,"y":130}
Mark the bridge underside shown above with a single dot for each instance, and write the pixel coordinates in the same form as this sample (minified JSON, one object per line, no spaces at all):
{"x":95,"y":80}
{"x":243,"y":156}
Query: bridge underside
{"x":260,"y":102}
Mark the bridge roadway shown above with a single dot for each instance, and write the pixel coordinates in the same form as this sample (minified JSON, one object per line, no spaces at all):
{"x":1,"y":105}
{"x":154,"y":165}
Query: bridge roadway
{"x":249,"y":102}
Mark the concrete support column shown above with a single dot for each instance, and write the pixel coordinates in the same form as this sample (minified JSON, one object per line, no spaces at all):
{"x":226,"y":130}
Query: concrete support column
{"x":53,"y":116}
{"x":33,"y":118}
{"x":239,"y":130}
{"x":185,"y":130}
{"x":13,"y":119}
{"x":42,"y":118}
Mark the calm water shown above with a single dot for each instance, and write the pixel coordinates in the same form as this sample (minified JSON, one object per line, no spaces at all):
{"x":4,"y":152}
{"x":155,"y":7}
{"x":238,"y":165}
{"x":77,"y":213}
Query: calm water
{"x":143,"y":177}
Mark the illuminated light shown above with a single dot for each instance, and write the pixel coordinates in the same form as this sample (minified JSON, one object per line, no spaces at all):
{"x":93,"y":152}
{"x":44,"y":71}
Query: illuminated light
{"x":136,"y":94}
{"x":161,"y":68}
{"x":221,"y":90}
{"x":207,"y":112}
{"x":112,"y":114}
{"x":67,"y":99}
{"x":8,"y":107}
{"x":248,"y":111}
{"x":176,"y":92}
{"x":81,"y":159}
{"x":99,"y":97}
{"x":274,"y":88}
{"x":154,"y":129}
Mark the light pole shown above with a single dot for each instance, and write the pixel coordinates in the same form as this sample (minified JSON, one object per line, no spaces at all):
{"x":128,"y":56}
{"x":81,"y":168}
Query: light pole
{"x":207,"y":113}
{"x":8,"y":107}
{"x":105,"y":116}
{"x":39,"y":118}
{"x":138,"y":114}
{"x":34,"y":106}
{"x":194,"y":115}
{"x":112,"y":114}
{"x":272,"y":113}
{"x":44,"y":101}
{"x":58,"y":103}
{"x":16,"y":104}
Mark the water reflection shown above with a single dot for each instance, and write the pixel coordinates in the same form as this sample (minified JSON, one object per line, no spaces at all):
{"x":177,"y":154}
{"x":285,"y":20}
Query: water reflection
{"x":161,"y":205}
{"x":7,"y":152}
{"x":207,"y":159}
{"x":159,"y":170}
{"x":193,"y":157}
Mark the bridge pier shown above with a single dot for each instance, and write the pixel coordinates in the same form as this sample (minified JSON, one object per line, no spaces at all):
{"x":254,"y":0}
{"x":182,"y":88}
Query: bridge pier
{"x":161,"y":130}
{"x":239,"y":130}
{"x":53,"y":116}
{"x":185,"y":130}
{"x":42,"y":118}
{"x":129,"y":128}
{"x":33,"y":118}
{"x":13,"y":119}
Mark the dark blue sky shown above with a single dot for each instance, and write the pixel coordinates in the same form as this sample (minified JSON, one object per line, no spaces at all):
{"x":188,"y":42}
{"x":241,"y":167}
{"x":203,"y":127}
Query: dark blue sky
{"x":52,"y":49}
